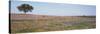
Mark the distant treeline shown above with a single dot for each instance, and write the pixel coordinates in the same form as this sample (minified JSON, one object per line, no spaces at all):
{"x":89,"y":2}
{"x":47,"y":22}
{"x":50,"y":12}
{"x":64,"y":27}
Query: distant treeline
{"x":88,"y":16}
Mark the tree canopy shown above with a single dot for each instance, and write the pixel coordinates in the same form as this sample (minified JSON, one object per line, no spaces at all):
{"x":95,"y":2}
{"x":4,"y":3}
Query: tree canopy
{"x":25,"y":8}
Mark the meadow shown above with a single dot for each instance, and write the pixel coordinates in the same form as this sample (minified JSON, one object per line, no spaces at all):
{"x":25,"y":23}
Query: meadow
{"x":52,"y":23}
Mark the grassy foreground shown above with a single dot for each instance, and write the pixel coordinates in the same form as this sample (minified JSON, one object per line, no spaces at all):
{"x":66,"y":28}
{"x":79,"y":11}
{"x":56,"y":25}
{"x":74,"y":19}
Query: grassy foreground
{"x":53,"y":24}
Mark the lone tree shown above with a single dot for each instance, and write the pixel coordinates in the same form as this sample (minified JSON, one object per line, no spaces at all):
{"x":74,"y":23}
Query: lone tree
{"x":25,"y":8}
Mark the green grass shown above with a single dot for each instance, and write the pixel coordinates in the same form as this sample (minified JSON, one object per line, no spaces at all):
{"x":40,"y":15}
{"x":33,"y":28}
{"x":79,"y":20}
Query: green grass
{"x":83,"y":25}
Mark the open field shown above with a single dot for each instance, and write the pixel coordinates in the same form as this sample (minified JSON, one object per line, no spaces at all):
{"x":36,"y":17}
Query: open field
{"x":41,"y":23}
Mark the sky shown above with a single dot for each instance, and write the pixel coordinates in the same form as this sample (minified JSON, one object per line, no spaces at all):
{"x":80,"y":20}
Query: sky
{"x":84,"y":2}
{"x":56,"y":9}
